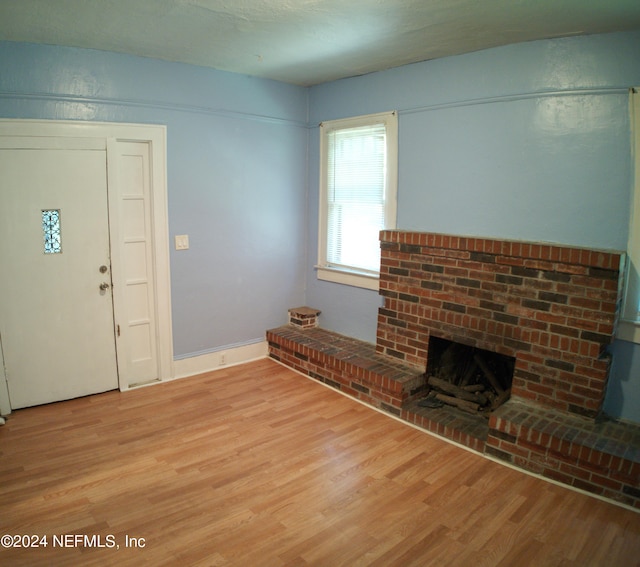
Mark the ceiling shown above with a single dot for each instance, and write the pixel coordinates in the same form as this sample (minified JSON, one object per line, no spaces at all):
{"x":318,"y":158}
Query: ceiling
{"x":306,"y":42}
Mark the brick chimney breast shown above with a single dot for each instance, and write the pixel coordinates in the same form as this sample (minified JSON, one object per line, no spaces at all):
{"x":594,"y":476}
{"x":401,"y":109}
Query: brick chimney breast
{"x":554,"y":308}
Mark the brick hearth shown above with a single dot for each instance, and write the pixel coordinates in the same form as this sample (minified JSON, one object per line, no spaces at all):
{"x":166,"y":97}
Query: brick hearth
{"x":348,"y":365}
{"x":550,"y":307}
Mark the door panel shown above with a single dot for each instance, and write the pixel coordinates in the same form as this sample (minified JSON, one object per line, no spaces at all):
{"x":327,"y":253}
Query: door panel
{"x":56,"y":324}
{"x":133,"y":267}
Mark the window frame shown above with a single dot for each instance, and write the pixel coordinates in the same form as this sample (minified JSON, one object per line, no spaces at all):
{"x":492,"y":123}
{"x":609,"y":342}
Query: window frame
{"x":629,"y":325}
{"x":344,"y":274}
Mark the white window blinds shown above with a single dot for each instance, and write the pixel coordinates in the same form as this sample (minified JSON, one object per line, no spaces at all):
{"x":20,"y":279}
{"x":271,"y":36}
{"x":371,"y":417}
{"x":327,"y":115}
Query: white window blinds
{"x":356,"y":189}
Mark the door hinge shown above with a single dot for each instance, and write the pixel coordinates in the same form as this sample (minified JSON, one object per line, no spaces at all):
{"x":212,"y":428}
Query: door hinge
{"x":118,"y":329}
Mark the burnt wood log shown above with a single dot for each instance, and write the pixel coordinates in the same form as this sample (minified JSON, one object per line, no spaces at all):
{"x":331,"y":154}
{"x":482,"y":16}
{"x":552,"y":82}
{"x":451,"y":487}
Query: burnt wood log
{"x":474,"y":388}
{"x":491,"y":377}
{"x":501,"y":399}
{"x":449,"y":388}
{"x":464,"y":405}
{"x":469,"y":374}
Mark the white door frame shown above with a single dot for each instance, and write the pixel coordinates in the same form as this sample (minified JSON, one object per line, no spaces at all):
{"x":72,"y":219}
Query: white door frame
{"x":155,"y":137}
{"x":5,"y":406}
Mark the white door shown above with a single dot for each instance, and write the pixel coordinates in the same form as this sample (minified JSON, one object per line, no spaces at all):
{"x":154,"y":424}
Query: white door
{"x":133,"y":262}
{"x":56,"y":310}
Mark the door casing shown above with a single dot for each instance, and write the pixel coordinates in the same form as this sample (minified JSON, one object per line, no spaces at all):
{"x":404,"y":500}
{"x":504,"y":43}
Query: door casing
{"x":155,"y":137}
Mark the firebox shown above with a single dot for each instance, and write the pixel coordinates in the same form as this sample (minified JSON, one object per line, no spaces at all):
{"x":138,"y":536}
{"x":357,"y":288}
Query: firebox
{"x":470,"y":378}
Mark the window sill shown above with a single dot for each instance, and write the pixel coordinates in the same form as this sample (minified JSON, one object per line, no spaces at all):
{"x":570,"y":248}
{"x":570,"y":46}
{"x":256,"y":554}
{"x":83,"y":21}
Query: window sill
{"x":628,"y":331}
{"x":348,"y":277}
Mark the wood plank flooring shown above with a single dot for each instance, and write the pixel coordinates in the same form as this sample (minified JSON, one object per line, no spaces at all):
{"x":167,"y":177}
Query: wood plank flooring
{"x":257,"y":465}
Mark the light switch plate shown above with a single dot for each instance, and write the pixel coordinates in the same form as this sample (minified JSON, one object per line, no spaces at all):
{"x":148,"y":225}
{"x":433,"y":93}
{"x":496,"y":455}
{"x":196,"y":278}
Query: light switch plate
{"x":182,"y":241}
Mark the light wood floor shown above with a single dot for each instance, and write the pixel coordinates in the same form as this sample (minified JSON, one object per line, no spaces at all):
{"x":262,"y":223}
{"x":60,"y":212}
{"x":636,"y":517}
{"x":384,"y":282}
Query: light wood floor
{"x":256,"y":465}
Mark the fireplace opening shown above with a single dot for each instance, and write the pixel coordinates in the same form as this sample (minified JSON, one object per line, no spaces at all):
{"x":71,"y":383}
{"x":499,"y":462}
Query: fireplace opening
{"x":472,"y":379}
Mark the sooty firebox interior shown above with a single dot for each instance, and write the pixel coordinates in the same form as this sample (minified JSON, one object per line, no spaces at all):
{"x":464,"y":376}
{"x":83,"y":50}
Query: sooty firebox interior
{"x":471,"y":379}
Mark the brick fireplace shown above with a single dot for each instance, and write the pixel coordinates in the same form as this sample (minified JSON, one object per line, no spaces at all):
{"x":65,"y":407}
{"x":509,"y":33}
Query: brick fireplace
{"x":552,"y":308}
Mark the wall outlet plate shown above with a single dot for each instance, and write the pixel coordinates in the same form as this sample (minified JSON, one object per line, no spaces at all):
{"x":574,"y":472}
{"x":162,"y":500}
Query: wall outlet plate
{"x":182,"y":241}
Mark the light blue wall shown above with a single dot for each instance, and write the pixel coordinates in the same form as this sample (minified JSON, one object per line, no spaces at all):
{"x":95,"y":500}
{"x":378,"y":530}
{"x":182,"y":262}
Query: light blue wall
{"x":526,"y":142}
{"x":237,"y":150}
{"x":623,"y":394}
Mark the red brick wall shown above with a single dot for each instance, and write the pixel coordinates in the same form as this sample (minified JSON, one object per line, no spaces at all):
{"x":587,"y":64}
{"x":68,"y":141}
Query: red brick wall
{"x":551,"y":307}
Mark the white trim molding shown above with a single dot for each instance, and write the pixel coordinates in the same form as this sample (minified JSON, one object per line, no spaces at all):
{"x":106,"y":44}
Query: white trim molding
{"x":220,"y":359}
{"x":107,"y":133}
{"x":327,"y":269}
{"x":629,"y":326}
{"x":5,"y":401}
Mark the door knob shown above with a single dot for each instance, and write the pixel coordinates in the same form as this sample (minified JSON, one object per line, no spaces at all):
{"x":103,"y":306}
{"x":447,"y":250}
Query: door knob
{"x":104,"y":286}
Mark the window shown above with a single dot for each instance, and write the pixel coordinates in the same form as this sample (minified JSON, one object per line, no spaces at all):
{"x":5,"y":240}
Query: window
{"x":358,"y":180}
{"x":629,"y":327}
{"x":51,"y":231}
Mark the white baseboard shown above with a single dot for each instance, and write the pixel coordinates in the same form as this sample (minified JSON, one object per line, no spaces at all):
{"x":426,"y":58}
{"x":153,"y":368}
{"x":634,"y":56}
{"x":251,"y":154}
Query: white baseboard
{"x":220,"y":359}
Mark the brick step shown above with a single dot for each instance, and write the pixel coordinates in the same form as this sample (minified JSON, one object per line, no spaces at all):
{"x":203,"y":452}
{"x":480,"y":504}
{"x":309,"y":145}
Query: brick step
{"x":599,"y":457}
{"x":349,"y":365}
{"x":466,"y":429}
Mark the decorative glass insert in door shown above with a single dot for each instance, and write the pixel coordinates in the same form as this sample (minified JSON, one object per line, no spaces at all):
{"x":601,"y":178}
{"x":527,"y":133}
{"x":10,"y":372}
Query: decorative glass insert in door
{"x":51,"y":231}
